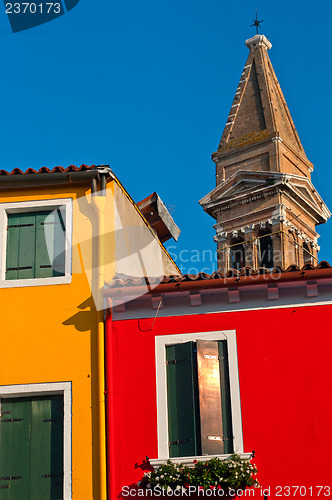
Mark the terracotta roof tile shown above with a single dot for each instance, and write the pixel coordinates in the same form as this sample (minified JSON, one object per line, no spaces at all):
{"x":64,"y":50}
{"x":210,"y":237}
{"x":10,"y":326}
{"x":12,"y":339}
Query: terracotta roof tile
{"x":123,"y":280}
{"x":46,"y":170}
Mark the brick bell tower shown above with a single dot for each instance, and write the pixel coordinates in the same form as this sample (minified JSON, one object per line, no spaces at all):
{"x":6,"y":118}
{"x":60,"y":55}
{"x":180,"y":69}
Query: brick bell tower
{"x":264,"y":203}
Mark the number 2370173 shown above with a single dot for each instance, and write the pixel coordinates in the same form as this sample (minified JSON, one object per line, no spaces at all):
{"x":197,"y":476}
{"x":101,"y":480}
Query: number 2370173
{"x":33,"y":8}
{"x":303,"y":491}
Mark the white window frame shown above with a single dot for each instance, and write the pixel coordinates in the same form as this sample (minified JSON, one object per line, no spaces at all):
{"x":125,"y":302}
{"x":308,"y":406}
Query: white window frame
{"x":162,"y":412}
{"x":50,"y":389}
{"x":35,"y":206}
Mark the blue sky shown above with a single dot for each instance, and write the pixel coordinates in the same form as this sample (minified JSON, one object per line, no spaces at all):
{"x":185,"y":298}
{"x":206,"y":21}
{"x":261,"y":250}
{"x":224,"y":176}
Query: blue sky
{"x":146,"y":87}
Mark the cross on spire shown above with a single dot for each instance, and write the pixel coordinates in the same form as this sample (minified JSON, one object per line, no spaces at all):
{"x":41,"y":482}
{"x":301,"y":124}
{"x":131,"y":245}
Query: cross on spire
{"x":256,"y":23}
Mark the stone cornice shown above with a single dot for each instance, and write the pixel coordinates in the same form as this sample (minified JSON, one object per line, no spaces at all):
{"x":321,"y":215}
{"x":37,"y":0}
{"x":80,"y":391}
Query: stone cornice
{"x":246,"y":199}
{"x":242,"y":176}
{"x":284,"y":184}
{"x":278,"y":214}
{"x":303,"y":202}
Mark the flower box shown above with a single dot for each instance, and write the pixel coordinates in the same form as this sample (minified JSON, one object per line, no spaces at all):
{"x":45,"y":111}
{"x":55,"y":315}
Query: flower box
{"x":214,"y":477}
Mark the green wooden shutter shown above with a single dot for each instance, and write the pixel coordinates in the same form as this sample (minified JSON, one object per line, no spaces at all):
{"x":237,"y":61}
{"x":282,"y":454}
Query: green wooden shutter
{"x":20,"y":260}
{"x":59,"y":243}
{"x":225,"y":397}
{"x":31,"y":448}
{"x":182,"y":400}
{"x":15,"y":449}
{"x":50,"y":244}
{"x":47,"y":448}
{"x":13,"y":238}
{"x":44,"y":252}
{"x":26,"y":257}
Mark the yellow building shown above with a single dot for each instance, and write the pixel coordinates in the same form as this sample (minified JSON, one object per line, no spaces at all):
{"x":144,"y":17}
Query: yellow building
{"x":64,"y":233}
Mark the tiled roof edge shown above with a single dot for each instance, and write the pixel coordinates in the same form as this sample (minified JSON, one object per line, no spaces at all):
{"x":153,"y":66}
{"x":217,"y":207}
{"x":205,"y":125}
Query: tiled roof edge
{"x":123,"y":280}
{"x":46,"y":170}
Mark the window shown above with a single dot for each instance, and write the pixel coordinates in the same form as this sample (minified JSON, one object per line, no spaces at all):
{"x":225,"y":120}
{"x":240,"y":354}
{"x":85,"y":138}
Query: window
{"x":35,"y":441}
{"x":198,"y":401}
{"x":265,"y":249}
{"x":306,"y":254}
{"x":37,"y":246}
{"x":237,"y":253}
{"x":198,"y":396}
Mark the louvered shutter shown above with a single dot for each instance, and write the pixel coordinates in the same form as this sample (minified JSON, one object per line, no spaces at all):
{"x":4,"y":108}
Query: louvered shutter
{"x":225,"y":397}
{"x":31,"y":448}
{"x":44,"y":252}
{"x":50,"y":244}
{"x":214,"y":397}
{"x":20,"y":257}
{"x":210,"y":397}
{"x":182,"y":400}
{"x":59,"y":243}
{"x":46,"y":448}
{"x":15,"y":449}
{"x":13,"y":239}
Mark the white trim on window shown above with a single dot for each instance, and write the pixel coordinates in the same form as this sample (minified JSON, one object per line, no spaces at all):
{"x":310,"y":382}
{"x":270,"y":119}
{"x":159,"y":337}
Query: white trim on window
{"x":189,"y":461}
{"x":35,"y":206}
{"x":162,"y":417}
{"x":64,"y":388}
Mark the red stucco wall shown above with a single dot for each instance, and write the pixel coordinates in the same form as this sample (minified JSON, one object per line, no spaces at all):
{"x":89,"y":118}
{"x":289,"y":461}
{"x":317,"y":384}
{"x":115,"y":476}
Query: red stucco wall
{"x":285,"y":372}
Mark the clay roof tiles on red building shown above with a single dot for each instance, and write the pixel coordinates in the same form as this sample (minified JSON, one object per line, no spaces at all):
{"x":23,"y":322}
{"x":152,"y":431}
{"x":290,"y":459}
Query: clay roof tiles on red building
{"x":126,"y":281}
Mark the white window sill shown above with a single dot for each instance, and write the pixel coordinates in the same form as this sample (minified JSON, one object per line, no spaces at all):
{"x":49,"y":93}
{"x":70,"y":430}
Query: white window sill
{"x":58,"y":280}
{"x":189,"y":461}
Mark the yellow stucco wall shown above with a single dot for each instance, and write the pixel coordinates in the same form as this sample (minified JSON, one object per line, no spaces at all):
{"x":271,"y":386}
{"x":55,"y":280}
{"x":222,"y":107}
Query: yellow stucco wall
{"x":47,"y":332}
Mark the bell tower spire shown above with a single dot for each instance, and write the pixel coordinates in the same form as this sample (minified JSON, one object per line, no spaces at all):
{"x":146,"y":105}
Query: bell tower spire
{"x":264,"y":203}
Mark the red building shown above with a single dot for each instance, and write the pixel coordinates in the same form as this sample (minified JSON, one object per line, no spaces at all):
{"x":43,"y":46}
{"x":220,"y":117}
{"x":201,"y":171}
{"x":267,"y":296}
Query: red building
{"x":278,"y":335}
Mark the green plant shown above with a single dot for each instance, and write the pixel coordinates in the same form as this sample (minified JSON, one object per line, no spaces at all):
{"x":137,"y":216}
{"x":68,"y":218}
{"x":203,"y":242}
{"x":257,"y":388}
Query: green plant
{"x":234,"y":473}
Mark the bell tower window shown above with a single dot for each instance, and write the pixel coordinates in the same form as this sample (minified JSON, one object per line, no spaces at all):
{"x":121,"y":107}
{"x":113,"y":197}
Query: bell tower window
{"x":306,"y":254}
{"x":265,"y":249}
{"x":237,"y":255}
